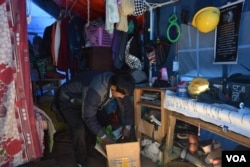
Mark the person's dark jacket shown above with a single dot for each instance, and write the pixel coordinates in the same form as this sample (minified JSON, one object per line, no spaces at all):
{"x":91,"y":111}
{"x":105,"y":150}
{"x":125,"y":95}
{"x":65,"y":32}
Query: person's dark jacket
{"x":94,"y":98}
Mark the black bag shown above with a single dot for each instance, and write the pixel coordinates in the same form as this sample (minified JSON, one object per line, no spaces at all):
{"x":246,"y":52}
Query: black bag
{"x":213,"y":95}
{"x":161,"y":83}
{"x":160,"y":47}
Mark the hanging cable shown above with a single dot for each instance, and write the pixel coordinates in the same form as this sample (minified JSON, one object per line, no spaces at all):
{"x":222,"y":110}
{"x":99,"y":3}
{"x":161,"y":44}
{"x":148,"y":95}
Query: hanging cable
{"x":88,"y":14}
{"x":74,"y":3}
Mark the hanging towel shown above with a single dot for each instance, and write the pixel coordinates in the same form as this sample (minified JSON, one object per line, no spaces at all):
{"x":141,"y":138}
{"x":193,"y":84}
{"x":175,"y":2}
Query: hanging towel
{"x":127,"y":7}
{"x":112,"y":15}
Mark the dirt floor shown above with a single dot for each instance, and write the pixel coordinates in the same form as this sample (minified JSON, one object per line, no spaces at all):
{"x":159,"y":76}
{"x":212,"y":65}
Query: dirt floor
{"x":62,"y":153}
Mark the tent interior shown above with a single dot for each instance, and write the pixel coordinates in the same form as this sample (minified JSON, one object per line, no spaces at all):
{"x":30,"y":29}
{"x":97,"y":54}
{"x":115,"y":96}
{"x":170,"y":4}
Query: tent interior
{"x":195,"y":49}
{"x":195,"y":52}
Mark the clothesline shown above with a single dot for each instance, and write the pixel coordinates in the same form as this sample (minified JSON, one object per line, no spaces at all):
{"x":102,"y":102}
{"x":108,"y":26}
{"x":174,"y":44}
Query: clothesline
{"x":156,"y":5}
{"x":152,"y":6}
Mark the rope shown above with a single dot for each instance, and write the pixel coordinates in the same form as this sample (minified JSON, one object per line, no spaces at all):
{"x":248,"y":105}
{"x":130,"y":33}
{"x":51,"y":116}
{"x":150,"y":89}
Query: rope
{"x":156,"y":5}
{"x":88,"y":14}
{"x":74,"y":3}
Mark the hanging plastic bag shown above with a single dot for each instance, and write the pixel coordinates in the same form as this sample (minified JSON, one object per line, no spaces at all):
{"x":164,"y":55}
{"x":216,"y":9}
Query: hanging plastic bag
{"x":151,"y":150}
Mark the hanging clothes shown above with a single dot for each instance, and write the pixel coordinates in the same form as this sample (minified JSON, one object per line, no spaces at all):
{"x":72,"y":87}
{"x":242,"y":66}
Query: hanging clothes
{"x":55,"y":44}
{"x":63,"y":60}
{"x":119,"y":43}
{"x":120,"y":39}
{"x":46,"y":42}
{"x":76,"y":43}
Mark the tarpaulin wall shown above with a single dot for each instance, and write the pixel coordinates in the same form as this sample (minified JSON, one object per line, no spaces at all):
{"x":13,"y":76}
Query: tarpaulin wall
{"x":196,"y":49}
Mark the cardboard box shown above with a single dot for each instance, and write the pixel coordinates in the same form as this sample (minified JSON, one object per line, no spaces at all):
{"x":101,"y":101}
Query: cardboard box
{"x":124,"y":154}
{"x":149,"y":130}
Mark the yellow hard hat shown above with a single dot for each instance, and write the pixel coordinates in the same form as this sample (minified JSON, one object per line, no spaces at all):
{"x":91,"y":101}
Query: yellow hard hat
{"x":198,"y":85}
{"x":206,"y":19}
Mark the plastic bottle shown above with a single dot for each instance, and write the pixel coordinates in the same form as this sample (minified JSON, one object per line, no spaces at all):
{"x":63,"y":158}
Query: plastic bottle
{"x":176,"y":69}
{"x":164,"y":74}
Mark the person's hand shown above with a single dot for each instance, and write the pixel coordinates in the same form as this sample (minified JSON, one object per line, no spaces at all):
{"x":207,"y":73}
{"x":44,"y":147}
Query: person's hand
{"x":107,"y":140}
{"x":126,"y":133}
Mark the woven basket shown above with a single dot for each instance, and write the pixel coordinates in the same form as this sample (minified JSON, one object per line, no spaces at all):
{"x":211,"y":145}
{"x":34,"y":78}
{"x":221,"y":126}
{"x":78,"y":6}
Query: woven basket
{"x":98,"y":36}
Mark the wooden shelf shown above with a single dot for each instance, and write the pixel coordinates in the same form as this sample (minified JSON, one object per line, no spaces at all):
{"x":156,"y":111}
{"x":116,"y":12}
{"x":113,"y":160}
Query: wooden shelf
{"x":168,"y":121}
{"x":149,"y":104}
{"x":173,"y":116}
{"x":143,"y":127}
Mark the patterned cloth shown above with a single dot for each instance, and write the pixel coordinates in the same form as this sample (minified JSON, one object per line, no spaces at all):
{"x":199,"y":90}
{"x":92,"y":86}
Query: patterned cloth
{"x":132,"y":61}
{"x":19,"y":138}
{"x":140,"y":7}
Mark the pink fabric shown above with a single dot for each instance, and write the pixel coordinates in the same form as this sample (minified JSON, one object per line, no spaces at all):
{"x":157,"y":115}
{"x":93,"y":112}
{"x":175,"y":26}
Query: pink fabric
{"x":19,"y":140}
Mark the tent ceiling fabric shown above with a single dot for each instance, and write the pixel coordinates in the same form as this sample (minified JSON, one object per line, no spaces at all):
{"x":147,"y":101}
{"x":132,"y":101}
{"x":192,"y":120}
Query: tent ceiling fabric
{"x":80,"y":8}
{"x":48,"y":6}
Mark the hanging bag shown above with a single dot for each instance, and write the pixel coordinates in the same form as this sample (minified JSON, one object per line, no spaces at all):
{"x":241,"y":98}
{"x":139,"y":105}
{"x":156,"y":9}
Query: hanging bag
{"x":132,"y":61}
{"x":162,"y":44}
{"x":160,"y":47}
{"x":134,"y":64}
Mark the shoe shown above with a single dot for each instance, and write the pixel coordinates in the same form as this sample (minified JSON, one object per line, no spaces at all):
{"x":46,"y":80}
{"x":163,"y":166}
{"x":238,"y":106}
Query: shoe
{"x":182,"y":136}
